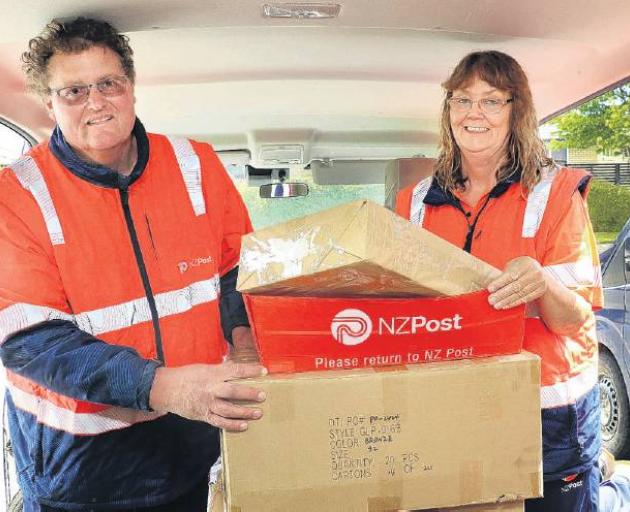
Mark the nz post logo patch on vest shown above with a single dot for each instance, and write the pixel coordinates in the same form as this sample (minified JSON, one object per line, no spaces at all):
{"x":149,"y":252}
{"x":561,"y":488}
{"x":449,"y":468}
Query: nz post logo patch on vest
{"x":351,"y":327}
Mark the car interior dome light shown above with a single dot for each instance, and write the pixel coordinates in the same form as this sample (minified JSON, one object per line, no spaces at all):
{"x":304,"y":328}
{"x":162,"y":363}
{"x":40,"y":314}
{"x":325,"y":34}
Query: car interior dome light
{"x":306,"y":10}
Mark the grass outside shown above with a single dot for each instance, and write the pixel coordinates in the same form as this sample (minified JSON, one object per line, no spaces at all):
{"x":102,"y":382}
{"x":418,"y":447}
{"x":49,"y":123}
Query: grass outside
{"x":606,"y":237}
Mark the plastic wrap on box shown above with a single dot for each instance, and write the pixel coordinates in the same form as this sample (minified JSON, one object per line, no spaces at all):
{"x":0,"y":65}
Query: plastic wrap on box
{"x":358,"y":248}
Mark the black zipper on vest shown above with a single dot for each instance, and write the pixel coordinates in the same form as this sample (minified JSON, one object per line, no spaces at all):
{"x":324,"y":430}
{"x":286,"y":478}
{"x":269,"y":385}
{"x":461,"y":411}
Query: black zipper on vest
{"x":472,"y":225}
{"x":124,"y":197}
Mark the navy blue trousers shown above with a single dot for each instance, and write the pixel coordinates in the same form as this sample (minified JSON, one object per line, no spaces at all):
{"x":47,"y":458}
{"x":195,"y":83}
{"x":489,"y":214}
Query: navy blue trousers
{"x":195,"y":500}
{"x":579,"y":494}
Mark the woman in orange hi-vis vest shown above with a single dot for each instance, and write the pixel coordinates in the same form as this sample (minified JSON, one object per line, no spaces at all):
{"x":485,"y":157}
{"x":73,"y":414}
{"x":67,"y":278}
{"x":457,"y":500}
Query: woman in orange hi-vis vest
{"x":496,"y":194}
{"x":117,"y":246}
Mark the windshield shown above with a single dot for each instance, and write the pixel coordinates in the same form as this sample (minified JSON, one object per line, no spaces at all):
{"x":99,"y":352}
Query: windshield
{"x":267,"y":212}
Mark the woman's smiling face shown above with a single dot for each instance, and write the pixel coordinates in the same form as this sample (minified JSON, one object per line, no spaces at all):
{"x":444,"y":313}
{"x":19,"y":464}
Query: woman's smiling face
{"x":479,"y":134}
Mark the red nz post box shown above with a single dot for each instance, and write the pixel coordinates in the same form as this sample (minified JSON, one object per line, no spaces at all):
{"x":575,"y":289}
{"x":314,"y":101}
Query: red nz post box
{"x":298,"y":333}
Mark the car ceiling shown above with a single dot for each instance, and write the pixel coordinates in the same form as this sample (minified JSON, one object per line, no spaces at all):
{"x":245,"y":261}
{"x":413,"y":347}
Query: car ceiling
{"x":365,"y":83}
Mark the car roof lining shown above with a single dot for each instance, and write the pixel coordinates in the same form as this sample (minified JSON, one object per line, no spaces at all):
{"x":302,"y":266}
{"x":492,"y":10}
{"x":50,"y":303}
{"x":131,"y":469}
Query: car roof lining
{"x":218,"y":71}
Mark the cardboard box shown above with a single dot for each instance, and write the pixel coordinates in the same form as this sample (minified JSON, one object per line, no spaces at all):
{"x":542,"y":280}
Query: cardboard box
{"x":216,"y":503}
{"x":512,"y":506}
{"x":358,"y":248}
{"x":297,"y":334}
{"x":415,"y":437}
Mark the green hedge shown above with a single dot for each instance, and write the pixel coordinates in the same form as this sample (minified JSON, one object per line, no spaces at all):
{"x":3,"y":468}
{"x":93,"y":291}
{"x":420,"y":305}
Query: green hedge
{"x":609,"y":206}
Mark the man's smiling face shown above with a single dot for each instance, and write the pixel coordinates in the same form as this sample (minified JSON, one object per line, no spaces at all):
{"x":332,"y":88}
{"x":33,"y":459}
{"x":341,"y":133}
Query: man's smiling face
{"x":101,"y":125}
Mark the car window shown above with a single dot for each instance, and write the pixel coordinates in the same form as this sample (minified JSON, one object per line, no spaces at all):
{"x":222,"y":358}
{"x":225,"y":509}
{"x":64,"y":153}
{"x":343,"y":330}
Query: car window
{"x":615,"y":275}
{"x":13,"y":144}
{"x":267,"y":212}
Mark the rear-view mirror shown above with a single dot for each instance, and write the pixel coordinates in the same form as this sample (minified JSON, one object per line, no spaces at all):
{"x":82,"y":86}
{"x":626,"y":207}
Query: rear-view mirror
{"x":281,"y":190}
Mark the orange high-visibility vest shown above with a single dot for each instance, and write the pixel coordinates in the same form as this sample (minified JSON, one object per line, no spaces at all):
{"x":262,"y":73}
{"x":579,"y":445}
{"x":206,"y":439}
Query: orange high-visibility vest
{"x":550,"y":224}
{"x":75,"y":261}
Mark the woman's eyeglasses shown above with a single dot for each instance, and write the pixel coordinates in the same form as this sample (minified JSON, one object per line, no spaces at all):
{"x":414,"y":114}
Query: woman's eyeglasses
{"x":486,"y":105}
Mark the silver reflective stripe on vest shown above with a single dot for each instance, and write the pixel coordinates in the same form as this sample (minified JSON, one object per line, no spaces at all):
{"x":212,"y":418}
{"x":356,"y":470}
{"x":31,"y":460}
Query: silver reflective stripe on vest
{"x":22,"y":316}
{"x":31,"y":178}
{"x":75,"y":422}
{"x":126,"y":314}
{"x":190,"y":167}
{"x":576,"y":275}
{"x":569,"y":391}
{"x":537,"y":202}
{"x":416,"y":213}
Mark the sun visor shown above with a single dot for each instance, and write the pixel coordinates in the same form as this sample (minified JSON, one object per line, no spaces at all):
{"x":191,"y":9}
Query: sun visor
{"x":349,"y":172}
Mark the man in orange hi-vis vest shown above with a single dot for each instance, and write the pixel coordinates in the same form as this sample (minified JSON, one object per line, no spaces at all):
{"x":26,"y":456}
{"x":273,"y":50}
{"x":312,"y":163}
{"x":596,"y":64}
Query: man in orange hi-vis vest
{"x":119,"y":253}
{"x":495,"y":194}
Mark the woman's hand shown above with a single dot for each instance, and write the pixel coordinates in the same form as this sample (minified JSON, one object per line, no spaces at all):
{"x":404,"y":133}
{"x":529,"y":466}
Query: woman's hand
{"x":522,"y":281}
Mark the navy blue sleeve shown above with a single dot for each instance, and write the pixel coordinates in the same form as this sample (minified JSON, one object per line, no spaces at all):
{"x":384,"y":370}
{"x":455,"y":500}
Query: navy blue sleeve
{"x":61,"y":357}
{"x":231,"y":305}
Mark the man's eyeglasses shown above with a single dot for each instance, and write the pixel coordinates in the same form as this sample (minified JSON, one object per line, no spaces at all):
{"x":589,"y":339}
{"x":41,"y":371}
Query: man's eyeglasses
{"x":486,"y":105}
{"x":78,"y":94}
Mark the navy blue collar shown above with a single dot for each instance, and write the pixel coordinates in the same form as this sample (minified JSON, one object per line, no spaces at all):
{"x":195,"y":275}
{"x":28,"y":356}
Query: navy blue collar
{"x":437,"y":196}
{"x":99,"y":174}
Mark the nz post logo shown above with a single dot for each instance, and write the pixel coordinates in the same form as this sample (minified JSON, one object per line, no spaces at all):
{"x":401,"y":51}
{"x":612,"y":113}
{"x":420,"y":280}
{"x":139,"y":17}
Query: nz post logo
{"x":351,"y":327}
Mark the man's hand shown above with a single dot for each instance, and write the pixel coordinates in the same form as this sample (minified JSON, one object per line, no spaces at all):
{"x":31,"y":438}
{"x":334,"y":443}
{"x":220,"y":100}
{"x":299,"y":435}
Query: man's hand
{"x":522,"y":281}
{"x":207,"y":393}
